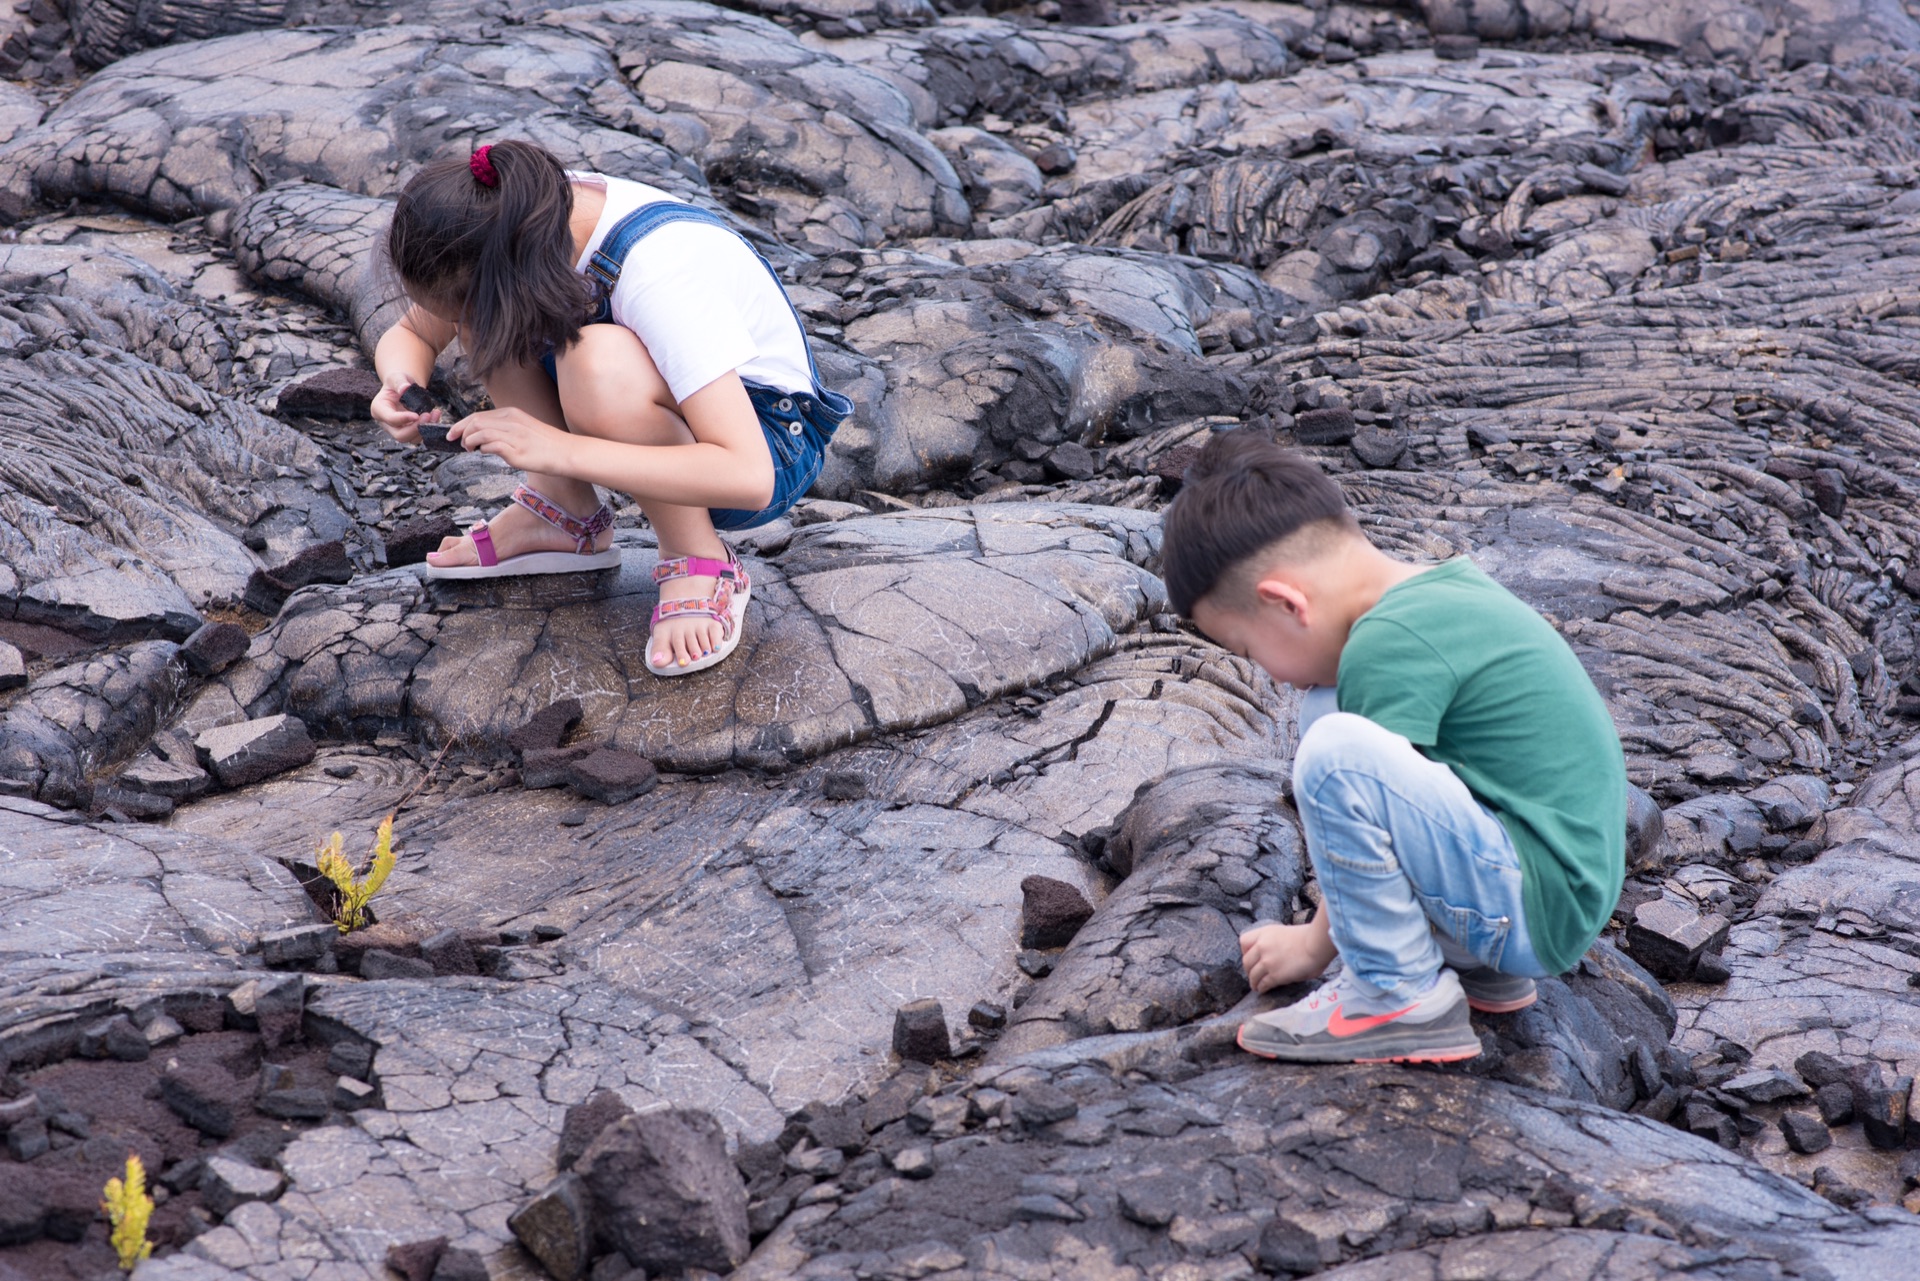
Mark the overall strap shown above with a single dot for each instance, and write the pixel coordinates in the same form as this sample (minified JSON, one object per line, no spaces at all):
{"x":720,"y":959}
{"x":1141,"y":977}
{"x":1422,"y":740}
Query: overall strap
{"x":605,"y":264}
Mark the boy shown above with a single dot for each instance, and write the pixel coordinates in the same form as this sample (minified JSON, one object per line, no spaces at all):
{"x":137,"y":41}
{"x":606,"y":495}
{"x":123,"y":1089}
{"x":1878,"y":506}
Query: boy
{"x":1464,"y":808}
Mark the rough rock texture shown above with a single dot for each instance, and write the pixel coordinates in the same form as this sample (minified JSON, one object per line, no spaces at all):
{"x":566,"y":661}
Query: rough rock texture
{"x":1616,"y":298}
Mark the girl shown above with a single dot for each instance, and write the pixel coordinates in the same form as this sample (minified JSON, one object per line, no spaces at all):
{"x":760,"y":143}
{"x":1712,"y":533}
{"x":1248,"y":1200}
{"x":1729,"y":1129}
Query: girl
{"x":627,"y":339}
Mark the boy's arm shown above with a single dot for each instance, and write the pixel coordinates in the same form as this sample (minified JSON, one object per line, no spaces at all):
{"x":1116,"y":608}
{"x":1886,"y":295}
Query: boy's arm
{"x":1275,"y":955}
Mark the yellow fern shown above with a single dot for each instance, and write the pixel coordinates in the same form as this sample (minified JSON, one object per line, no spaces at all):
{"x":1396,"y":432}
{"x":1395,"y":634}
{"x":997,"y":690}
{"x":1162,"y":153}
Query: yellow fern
{"x":128,"y":1207}
{"x":356,"y":892}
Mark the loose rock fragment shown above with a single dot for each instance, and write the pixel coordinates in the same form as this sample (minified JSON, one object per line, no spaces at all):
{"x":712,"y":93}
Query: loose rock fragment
{"x":298,"y":946}
{"x":584,"y":1122}
{"x":1044,"y":1104}
{"x":1669,"y":937}
{"x":201,"y":1097}
{"x":1805,"y":1134}
{"x":378,"y":963}
{"x":227,"y":1184}
{"x":297,"y":1104}
{"x":612,"y":776}
{"x":416,"y":1260}
{"x":333,"y":393}
{"x":350,"y":1095}
{"x":552,"y":768}
{"x":1768,"y":1085}
{"x":214,"y":648}
{"x":1052,"y":912}
{"x":13,"y":667}
{"x":449,"y":952}
{"x":1330,"y":426}
{"x":1835,"y":1102}
{"x":557,"y":1228}
{"x":920,"y":1032}
{"x":666,"y":1192}
{"x":411,"y":540}
{"x":254,"y":750}
{"x":115,"y":1038}
{"x":547,"y":728}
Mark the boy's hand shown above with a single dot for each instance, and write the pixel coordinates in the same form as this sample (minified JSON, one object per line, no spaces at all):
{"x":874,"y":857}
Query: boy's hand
{"x":400,"y":422}
{"x":522,"y":441}
{"x":1276,"y":955}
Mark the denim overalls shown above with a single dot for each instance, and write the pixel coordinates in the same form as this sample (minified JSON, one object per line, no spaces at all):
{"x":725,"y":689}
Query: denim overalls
{"x":797,"y":426}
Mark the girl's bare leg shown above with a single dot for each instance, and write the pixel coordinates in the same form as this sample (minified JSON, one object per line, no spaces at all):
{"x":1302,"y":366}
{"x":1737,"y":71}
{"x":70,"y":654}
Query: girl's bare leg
{"x":609,"y":388}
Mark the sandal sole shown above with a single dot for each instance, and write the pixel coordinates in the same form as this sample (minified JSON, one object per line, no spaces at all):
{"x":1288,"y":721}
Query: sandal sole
{"x":530,"y":564}
{"x":1435,"y":1054}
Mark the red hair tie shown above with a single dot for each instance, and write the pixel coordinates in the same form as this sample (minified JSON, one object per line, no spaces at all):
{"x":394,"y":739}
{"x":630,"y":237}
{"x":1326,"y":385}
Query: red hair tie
{"x":482,"y":167}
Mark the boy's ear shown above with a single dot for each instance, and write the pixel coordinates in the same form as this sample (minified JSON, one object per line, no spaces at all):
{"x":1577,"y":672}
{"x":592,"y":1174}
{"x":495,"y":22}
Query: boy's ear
{"x":1274,"y":590}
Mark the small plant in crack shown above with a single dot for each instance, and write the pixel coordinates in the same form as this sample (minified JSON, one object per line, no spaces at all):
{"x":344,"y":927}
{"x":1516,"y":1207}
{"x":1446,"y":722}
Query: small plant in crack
{"x":128,"y":1207}
{"x":354,"y":892}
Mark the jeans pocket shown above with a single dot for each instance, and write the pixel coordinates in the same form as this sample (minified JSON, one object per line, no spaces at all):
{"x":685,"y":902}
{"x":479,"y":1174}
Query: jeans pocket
{"x":1484,"y":936}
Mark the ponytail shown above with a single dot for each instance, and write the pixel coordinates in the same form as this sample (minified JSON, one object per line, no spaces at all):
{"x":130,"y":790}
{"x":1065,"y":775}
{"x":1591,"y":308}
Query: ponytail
{"x":498,"y":254}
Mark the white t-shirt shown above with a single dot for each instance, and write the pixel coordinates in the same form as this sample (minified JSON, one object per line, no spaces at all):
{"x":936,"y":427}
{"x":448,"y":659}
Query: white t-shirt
{"x":700,"y":299}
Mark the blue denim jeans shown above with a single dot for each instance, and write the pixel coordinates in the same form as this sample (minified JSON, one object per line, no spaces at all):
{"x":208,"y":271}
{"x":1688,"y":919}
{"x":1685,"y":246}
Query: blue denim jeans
{"x":1415,"y":873}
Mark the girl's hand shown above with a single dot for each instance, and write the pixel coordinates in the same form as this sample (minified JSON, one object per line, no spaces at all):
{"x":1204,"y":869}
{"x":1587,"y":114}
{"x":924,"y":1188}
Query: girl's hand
{"x":400,"y":422}
{"x":1276,"y":955}
{"x":519,"y":439}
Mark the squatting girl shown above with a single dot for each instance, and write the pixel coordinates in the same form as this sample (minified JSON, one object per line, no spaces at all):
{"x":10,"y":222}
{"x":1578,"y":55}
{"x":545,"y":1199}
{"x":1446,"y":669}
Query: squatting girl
{"x":628,"y":340}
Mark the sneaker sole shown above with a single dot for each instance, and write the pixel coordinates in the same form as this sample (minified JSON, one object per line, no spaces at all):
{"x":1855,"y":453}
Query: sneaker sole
{"x":1335,"y":1053}
{"x":1503,"y":1007}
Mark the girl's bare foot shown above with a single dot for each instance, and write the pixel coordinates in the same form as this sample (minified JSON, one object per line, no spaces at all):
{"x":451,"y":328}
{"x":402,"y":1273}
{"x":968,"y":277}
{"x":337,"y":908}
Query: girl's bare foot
{"x":687,"y":638}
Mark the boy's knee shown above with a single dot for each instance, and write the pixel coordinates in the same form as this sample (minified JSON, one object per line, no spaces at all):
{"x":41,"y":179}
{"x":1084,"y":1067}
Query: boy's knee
{"x":1336,"y":741}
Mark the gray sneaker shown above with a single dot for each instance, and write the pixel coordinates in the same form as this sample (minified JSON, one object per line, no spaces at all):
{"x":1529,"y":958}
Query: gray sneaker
{"x":1491,"y":992}
{"x":1332,"y":1026}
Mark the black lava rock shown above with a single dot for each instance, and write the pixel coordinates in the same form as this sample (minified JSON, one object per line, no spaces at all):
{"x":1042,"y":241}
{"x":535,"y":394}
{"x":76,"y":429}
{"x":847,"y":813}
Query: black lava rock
{"x":411,"y":540}
{"x":1669,"y":938}
{"x":1330,"y":426}
{"x":417,"y":399}
{"x":345,"y":394}
{"x":666,"y":1193}
{"x":1835,"y":1101}
{"x":1072,"y":460}
{"x":1456,"y":48}
{"x":200,"y":1097}
{"x":1805,"y":1134}
{"x":114,"y":1038}
{"x":551,"y":767}
{"x":254,"y":750}
{"x":416,"y":1260}
{"x":378,"y":963}
{"x":920,"y":1032}
{"x":987,"y":1016}
{"x":556,"y":1227}
{"x":547,"y":728}
{"x":214,"y":647}
{"x":612,"y":776}
{"x":449,"y":952}
{"x":267,"y":589}
{"x":1052,"y":912}
{"x":583,"y":1122}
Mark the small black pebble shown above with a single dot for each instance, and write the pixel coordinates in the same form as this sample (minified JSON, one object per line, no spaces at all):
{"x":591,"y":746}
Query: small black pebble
{"x":342,"y":769}
{"x":573,"y":818}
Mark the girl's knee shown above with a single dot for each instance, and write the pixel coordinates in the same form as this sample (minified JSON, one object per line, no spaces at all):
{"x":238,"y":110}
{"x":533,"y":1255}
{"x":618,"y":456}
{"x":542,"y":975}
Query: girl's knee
{"x":607,"y":378}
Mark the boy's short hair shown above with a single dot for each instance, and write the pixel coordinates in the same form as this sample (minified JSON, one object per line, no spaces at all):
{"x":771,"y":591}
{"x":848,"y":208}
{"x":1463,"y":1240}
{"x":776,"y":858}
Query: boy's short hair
{"x":1243,"y":495}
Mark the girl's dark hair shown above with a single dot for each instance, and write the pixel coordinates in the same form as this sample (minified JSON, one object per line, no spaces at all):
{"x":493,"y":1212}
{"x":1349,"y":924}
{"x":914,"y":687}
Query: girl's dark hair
{"x":1243,"y":494}
{"x":499,"y":258}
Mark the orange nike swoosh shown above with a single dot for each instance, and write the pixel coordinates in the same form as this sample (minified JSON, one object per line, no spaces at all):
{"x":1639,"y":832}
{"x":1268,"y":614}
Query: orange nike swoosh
{"x":1341,"y":1025}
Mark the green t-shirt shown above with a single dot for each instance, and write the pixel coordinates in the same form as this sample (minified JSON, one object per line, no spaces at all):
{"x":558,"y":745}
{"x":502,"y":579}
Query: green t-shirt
{"x":1476,"y":680}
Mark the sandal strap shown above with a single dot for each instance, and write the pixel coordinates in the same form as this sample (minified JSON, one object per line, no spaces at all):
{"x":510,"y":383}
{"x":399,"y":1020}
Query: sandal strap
{"x":483,"y":545}
{"x":583,"y":532}
{"x":727,"y":571}
{"x":718,"y":607}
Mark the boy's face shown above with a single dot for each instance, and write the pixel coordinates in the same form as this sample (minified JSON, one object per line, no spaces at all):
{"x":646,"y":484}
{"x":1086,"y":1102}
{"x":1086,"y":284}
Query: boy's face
{"x":1281,"y":629}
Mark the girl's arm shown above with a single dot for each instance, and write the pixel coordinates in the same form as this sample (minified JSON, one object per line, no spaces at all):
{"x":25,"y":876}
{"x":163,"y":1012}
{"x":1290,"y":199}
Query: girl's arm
{"x":726,"y":465}
{"x":404,"y":356}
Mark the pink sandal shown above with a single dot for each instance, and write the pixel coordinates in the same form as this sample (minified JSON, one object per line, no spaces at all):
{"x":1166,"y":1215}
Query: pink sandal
{"x":579,"y":560}
{"x":728,"y":604}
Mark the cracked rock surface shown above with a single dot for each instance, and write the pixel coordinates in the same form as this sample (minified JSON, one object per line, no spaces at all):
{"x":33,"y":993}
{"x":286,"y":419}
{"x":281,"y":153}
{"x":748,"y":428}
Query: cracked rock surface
{"x":1616,"y":298}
